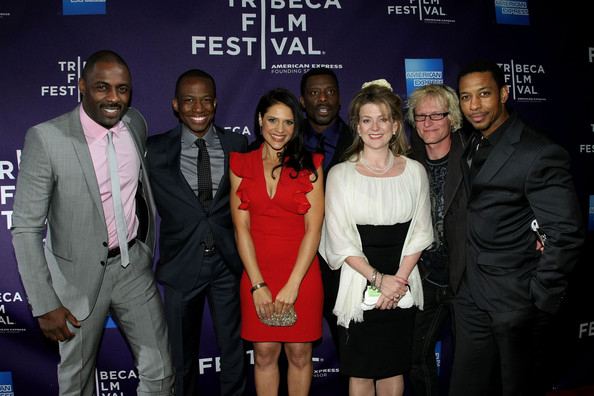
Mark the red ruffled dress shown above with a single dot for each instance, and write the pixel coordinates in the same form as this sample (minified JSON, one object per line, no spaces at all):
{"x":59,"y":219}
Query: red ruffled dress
{"x":277,"y":227}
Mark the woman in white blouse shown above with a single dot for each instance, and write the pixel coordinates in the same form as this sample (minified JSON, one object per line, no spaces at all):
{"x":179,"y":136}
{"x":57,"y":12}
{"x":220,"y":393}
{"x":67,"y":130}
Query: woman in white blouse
{"x":378,"y":221}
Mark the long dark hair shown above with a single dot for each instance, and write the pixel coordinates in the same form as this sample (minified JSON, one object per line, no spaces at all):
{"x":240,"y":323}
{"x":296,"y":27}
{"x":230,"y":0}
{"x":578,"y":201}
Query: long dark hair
{"x":294,"y":155}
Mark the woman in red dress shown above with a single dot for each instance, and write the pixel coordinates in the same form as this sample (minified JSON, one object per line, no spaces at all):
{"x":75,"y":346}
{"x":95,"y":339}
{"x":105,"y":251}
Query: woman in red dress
{"x":277,"y":204}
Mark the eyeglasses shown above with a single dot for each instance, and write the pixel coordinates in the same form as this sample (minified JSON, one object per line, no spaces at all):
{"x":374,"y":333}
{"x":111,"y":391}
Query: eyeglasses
{"x":432,"y":117}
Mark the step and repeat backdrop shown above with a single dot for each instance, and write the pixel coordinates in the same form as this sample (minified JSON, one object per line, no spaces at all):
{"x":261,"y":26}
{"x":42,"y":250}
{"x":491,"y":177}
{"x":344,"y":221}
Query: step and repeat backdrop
{"x":546,"y":50}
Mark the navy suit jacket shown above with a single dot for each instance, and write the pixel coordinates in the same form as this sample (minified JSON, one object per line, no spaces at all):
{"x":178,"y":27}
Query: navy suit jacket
{"x":345,"y":139}
{"x":525,"y":177}
{"x":183,"y":219}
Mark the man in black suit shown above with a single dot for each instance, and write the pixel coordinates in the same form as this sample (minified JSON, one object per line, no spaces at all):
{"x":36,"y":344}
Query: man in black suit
{"x":198,"y":257}
{"x":326,"y":133}
{"x":513,"y":174}
{"x":434,"y":113}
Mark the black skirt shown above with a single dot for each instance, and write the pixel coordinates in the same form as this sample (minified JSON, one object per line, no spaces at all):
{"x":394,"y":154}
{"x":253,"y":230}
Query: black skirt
{"x":381,"y":345}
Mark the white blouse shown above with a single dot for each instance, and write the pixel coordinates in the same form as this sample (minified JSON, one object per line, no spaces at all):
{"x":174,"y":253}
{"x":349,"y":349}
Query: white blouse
{"x":351,"y":199}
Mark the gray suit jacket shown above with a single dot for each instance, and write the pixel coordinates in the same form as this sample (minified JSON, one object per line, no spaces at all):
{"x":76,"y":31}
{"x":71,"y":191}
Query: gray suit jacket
{"x":57,"y":183}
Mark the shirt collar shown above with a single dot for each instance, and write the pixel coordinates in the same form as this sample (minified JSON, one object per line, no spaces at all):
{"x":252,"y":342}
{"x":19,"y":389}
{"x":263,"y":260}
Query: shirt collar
{"x":188,"y":138}
{"x":331,"y":133}
{"x":95,"y":131}
{"x":498,"y":133}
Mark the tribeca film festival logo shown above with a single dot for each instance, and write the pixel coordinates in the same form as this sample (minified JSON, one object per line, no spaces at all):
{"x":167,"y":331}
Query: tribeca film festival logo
{"x":421,"y":72}
{"x":586,"y":329}
{"x":588,"y":148}
{"x":83,"y":7}
{"x":70,"y":70}
{"x":115,"y":382}
{"x":512,"y":12}
{"x":283,"y":36}
{"x":522,"y":80}
{"x":428,"y":11}
{"x":7,"y":322}
{"x":7,"y":188}
{"x":121,"y":382}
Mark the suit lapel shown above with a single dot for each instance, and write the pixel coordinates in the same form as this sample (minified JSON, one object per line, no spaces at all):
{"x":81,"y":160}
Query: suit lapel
{"x":464,"y":164}
{"x":454,"y":171}
{"x":224,"y":184}
{"x":136,"y":139}
{"x":144,"y":201}
{"x":344,"y":141}
{"x":498,"y":157}
{"x":139,"y":145}
{"x":81,"y":148}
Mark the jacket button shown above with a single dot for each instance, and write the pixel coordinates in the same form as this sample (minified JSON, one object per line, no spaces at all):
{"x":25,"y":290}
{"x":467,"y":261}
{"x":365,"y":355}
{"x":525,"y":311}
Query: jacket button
{"x":102,"y":263}
{"x":105,"y":244}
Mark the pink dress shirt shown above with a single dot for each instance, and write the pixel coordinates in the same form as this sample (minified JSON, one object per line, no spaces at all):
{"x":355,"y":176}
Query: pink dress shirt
{"x":129,"y":170}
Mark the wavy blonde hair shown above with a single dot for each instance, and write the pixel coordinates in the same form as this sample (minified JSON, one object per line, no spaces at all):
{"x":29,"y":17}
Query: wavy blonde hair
{"x":382,"y":95}
{"x":443,"y":95}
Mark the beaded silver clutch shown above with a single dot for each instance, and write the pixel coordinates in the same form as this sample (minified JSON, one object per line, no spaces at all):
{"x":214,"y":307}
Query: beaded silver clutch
{"x":286,"y":320}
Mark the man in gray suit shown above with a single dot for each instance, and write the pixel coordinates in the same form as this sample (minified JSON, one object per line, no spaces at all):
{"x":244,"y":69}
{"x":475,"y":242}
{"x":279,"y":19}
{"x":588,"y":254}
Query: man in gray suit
{"x":83,"y":271}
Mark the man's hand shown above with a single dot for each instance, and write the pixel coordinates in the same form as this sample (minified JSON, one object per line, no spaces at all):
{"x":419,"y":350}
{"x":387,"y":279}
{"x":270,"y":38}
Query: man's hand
{"x":53,"y":324}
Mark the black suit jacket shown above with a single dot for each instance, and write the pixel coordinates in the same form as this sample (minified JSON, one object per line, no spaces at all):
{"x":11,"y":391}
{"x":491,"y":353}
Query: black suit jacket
{"x":525,"y":177}
{"x":345,"y":139}
{"x":454,"y":204}
{"x":183,"y":220}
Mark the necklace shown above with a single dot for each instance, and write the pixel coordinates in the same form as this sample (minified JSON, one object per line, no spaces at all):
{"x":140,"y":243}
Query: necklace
{"x":374,"y":169}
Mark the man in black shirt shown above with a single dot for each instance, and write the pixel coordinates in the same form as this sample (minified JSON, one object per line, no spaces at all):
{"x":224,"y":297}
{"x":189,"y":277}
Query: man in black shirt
{"x":434,"y":113}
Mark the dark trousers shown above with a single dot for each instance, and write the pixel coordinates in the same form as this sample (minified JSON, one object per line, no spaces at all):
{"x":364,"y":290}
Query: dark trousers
{"x":184,"y":312}
{"x":495,"y":350}
{"x":331,"y":281}
{"x":438,"y":307}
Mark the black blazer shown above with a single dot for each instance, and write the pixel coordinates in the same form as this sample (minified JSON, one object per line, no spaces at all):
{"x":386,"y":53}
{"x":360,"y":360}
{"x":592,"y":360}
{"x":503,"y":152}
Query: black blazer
{"x":454,"y":204}
{"x":345,"y":139}
{"x":525,"y":177}
{"x":183,"y":220}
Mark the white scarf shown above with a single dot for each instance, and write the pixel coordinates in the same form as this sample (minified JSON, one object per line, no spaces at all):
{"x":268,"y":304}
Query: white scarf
{"x":352,"y":283}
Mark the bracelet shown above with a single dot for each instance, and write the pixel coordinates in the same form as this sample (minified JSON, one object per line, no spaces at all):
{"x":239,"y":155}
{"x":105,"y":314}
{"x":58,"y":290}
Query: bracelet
{"x":373,"y":277}
{"x":381,"y":282}
{"x":258,"y":286}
